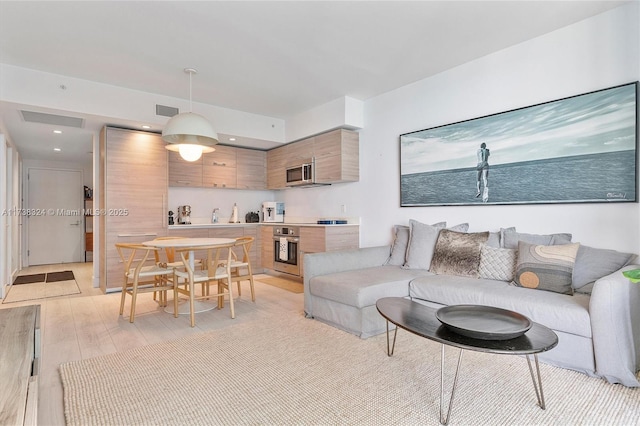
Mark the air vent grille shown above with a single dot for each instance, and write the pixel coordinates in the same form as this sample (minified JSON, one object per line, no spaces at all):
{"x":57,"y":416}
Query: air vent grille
{"x":166,"y":111}
{"x":53,"y":119}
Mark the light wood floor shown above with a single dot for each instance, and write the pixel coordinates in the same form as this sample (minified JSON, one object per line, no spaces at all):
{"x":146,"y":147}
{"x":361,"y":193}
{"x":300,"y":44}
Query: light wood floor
{"x":87,"y":325}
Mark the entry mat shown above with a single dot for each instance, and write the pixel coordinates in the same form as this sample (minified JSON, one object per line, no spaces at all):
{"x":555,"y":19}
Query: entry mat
{"x":49,"y":277}
{"x":42,"y":286}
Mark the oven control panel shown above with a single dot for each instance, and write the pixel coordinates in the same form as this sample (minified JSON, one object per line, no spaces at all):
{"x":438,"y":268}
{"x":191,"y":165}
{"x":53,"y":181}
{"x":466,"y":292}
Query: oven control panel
{"x":291,"y":231}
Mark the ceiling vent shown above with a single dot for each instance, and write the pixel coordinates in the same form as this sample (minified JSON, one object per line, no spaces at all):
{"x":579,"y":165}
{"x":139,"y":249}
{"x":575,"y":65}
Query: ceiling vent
{"x":166,"y":111}
{"x":55,"y":120}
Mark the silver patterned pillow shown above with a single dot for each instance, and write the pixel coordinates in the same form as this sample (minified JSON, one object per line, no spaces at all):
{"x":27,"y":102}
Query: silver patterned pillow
{"x":497,"y":263}
{"x":458,"y":253}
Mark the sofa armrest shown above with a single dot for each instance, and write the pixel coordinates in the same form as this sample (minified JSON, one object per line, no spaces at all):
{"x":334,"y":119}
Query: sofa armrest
{"x":614,"y":309}
{"x":339,"y":261}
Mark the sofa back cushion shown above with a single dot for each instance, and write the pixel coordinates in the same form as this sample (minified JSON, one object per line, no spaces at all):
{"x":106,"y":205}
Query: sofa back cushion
{"x":458,"y":253}
{"x":593,"y":263}
{"x":401,"y":242}
{"x":545,"y":267}
{"x":510,"y":238}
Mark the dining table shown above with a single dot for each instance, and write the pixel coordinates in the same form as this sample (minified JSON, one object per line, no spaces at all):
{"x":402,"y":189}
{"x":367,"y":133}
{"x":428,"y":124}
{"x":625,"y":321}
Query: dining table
{"x":199,"y":305}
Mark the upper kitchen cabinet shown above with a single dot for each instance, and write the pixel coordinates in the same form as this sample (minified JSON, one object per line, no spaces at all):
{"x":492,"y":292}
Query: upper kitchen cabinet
{"x":276,"y":168}
{"x":133,"y":195}
{"x":184,"y":173}
{"x":251,"y":168}
{"x":219,"y":169}
{"x":336,"y":156}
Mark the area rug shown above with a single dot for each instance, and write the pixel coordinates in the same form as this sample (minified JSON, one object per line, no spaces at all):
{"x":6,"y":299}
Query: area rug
{"x":41,"y":290}
{"x":298,"y":371}
{"x":28,"y":279}
{"x":283,"y":283}
{"x":60,"y":276}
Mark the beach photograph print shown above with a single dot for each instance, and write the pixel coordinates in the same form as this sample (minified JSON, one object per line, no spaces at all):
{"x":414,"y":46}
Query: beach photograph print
{"x":580,"y":149}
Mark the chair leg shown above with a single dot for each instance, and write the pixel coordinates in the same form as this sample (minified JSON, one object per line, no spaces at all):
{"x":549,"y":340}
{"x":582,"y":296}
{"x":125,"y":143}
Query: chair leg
{"x":192,"y":315}
{"x":229,"y":287}
{"x":253,"y":291}
{"x":134,"y":296}
{"x":124,"y":293}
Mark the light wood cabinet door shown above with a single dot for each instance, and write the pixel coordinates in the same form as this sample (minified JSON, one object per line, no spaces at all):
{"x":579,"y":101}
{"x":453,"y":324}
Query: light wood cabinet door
{"x":317,"y":239}
{"x":251,"y":169}
{"x":337,"y":157}
{"x":299,"y":152}
{"x":184,"y":173}
{"x":276,"y":171}
{"x":133,"y":199}
{"x":219,"y":170}
{"x":266,"y":236}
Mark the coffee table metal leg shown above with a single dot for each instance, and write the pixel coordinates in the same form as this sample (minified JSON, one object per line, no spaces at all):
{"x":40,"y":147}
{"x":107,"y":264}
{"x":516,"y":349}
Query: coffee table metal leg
{"x":445,"y":419}
{"x":395,"y":333}
{"x":537,"y":385}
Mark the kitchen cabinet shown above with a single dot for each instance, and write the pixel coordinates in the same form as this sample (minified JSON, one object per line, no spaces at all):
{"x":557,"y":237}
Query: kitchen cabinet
{"x":219,"y":168}
{"x":336,"y":155}
{"x":276,"y":168}
{"x":133,"y":195}
{"x":266,"y":237}
{"x":251,"y":169}
{"x":184,"y":173}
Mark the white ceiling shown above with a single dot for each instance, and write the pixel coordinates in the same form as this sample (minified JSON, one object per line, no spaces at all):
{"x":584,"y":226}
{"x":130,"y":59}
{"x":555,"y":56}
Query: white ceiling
{"x":270,"y":58}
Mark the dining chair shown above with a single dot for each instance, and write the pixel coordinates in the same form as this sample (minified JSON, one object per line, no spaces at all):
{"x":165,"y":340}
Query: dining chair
{"x":141,"y":275}
{"x":241,"y":268}
{"x":217,"y":268}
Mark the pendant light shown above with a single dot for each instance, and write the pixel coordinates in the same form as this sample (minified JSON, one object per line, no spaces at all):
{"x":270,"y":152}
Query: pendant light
{"x":188,"y":133}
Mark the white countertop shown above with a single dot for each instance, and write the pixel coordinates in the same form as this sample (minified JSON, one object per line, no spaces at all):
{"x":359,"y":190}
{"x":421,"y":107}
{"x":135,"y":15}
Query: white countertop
{"x":222,"y":225}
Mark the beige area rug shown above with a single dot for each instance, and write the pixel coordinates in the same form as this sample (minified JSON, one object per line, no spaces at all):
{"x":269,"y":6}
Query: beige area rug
{"x":41,"y":290}
{"x":283,"y":283}
{"x":297,"y":371}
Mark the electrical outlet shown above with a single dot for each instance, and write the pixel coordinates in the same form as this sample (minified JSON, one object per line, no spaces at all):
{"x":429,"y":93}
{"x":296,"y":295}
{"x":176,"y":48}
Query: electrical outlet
{"x":343,"y":208}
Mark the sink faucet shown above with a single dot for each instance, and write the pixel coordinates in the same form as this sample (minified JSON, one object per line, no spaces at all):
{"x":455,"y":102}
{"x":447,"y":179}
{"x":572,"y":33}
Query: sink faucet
{"x":214,"y":216}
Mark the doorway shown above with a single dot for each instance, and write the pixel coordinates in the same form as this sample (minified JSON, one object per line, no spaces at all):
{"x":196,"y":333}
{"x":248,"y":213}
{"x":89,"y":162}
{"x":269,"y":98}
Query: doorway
{"x":54,"y":216}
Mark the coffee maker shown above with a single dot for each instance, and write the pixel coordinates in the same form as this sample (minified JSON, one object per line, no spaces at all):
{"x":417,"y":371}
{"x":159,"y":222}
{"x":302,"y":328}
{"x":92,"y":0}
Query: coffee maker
{"x":272,"y":211}
{"x":184,"y":215}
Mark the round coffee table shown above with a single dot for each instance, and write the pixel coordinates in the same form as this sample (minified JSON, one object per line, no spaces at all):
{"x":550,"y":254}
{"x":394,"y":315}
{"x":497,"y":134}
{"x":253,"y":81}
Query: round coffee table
{"x":421,"y":320}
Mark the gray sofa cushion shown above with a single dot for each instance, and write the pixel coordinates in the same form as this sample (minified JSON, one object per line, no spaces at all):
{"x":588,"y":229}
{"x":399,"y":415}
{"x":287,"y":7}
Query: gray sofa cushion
{"x":558,"y":311}
{"x":510,"y":238}
{"x":593,"y":263}
{"x":363,"y":287}
{"x":401,"y":242}
{"x":422,"y":242}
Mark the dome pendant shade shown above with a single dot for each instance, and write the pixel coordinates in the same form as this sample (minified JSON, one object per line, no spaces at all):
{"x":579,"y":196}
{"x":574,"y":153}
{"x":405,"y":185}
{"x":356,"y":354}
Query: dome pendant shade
{"x":188,"y":133}
{"x":189,"y":127}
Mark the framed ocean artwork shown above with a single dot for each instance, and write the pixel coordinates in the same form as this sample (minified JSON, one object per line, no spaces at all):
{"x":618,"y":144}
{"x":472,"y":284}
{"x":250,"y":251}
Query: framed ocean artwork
{"x":580,"y":149}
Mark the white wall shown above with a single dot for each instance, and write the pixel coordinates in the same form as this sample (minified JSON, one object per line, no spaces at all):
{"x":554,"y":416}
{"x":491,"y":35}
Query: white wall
{"x":593,"y":54}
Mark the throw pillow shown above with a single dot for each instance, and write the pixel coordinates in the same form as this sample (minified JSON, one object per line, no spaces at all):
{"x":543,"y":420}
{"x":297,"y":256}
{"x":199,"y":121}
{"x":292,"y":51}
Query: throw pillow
{"x":511,"y":238}
{"x":546,"y":267}
{"x":458,"y":253}
{"x":593,"y":263}
{"x":422,"y":241}
{"x":401,"y":242}
{"x":497,"y":263}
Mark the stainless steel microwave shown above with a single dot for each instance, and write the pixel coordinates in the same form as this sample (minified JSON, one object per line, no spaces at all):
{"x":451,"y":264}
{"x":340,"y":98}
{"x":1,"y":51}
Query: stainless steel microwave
{"x":300,"y":174}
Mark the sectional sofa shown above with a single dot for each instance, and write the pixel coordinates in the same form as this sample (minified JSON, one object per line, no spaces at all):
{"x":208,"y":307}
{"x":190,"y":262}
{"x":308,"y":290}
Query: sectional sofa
{"x":576,"y":290}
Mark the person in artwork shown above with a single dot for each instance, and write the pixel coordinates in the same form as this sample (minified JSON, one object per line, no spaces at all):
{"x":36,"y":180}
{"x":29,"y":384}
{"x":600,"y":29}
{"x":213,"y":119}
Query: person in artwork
{"x":483,"y":172}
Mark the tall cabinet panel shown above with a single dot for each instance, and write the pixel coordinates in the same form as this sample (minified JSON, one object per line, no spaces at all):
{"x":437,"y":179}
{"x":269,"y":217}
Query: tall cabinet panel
{"x":133,"y":196}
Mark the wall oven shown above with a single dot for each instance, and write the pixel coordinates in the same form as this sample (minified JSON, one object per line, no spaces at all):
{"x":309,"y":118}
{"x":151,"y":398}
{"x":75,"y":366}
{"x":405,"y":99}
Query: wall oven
{"x":286,"y":249}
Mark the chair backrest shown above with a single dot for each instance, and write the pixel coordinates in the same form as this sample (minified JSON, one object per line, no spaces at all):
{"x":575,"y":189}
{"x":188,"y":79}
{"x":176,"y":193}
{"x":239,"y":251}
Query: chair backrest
{"x":170,"y":252}
{"x":216,"y":255}
{"x":245,"y":243}
{"x":134,"y":256}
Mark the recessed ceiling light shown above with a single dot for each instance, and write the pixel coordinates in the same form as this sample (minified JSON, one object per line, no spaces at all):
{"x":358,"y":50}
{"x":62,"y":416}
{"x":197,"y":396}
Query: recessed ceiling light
{"x":57,"y":132}
{"x":146,"y":127}
{"x":232,"y":139}
{"x":57,"y":149}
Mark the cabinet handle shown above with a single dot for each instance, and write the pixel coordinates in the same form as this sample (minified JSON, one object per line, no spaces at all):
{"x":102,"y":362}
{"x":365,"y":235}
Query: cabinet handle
{"x":186,"y":182}
{"x":215,"y":163}
{"x":145,"y":234}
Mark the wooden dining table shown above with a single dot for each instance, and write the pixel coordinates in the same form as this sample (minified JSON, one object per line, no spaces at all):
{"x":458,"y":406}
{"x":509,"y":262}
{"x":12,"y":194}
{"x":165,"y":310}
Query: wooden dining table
{"x":200,"y":305}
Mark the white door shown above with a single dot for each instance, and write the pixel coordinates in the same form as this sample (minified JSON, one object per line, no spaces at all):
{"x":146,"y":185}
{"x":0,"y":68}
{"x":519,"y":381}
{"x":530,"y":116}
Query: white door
{"x":55,"y":217}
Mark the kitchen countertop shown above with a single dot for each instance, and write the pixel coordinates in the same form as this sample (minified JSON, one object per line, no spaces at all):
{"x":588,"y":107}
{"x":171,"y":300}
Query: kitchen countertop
{"x":226,"y":224}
